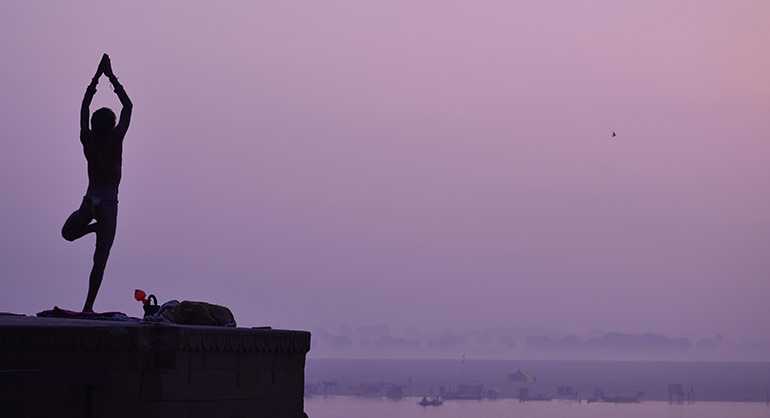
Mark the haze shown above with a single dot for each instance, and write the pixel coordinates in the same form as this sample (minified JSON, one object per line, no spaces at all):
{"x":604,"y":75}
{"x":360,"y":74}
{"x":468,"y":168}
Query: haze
{"x":433,"y":165}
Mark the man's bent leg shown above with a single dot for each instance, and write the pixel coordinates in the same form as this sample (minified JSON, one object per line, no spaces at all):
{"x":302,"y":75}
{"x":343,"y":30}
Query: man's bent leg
{"x":77,"y":225}
{"x":106,"y":223}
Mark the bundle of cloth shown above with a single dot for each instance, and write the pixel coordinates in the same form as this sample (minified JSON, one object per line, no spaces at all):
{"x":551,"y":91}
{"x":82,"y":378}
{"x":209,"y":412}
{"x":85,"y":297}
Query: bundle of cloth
{"x":193,"y":313}
{"x":58,"y":312}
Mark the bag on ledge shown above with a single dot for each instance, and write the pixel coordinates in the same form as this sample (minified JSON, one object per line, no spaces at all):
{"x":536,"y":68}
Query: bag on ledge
{"x":193,"y":313}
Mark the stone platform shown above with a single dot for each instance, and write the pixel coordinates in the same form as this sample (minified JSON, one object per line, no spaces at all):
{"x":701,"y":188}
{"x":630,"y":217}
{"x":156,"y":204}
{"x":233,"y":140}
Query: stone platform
{"x":86,"y":369}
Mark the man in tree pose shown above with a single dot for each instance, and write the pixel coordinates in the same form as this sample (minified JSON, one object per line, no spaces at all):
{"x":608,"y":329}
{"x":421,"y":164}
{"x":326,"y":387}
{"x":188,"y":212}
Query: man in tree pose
{"x":103,"y":149}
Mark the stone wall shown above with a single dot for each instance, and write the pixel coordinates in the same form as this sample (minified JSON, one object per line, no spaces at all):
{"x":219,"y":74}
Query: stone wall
{"x":74,"y":368}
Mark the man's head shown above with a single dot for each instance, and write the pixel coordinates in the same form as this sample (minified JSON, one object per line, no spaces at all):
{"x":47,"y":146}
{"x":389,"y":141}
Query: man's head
{"x":103,"y":120}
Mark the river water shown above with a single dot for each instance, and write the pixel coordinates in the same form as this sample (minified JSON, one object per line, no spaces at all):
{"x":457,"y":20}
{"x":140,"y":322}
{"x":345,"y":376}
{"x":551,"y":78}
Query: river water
{"x":355,"y":407}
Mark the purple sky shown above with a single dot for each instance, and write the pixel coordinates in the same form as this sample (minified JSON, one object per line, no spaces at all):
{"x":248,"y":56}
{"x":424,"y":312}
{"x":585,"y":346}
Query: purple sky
{"x":431,"y":164}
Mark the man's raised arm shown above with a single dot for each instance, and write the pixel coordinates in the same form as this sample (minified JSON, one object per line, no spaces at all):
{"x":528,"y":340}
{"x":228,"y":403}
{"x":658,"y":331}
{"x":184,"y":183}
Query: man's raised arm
{"x":125,"y":113}
{"x":85,"y":111}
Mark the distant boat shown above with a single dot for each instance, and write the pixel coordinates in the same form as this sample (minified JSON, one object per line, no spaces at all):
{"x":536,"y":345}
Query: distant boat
{"x":430,"y":401}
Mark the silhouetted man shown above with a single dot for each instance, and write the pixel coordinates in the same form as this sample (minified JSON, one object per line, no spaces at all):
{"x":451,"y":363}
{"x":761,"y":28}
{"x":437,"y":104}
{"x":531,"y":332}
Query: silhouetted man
{"x":103,"y":149}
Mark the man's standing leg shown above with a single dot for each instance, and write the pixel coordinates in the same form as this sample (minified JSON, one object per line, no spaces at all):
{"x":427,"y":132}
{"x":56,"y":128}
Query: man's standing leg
{"x":106,"y":223}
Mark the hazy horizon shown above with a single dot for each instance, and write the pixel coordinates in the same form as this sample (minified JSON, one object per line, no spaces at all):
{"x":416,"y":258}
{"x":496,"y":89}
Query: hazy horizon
{"x":426,"y":165}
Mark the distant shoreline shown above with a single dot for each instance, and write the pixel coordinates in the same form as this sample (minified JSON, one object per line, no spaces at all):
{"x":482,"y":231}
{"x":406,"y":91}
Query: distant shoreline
{"x":728,"y":381}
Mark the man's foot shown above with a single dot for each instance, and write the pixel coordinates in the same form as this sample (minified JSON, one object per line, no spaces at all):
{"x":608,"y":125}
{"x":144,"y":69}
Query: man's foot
{"x":91,"y":228}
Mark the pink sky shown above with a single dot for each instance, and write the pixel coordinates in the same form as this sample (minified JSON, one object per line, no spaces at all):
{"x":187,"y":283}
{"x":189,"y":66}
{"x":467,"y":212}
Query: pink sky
{"x":336,"y":162}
